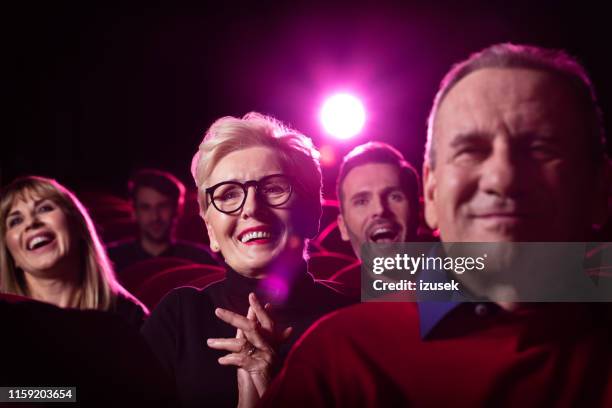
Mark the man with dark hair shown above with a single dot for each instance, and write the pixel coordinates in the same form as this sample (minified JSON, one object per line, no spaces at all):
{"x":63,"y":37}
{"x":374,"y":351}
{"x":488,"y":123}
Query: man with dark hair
{"x":515,"y":153}
{"x":379,"y":196}
{"x":157,"y":198}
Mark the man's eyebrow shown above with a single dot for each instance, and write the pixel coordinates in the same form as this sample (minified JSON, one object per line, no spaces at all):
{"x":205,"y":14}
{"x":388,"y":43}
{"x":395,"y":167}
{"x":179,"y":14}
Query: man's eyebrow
{"x":361,"y":194}
{"x":540,"y":135}
{"x":470,"y":137}
{"x":392,"y":189}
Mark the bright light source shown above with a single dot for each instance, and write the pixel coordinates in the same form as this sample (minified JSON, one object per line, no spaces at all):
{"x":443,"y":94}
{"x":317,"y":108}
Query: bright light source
{"x":342,"y":115}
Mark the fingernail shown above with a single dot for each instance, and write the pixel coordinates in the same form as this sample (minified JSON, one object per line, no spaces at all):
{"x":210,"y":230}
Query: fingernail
{"x":210,"y":341}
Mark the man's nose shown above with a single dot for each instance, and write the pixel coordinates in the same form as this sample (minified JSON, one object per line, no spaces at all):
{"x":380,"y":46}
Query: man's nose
{"x":157,"y":213}
{"x":500,"y":172}
{"x":379,"y":205}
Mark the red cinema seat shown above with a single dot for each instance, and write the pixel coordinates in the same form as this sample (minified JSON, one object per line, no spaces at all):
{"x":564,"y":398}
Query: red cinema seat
{"x":156,"y":287}
{"x":347,"y":291}
{"x":330,"y":240}
{"x":134,"y":275}
{"x":111,"y":214}
{"x":206,"y":280}
{"x":190,"y":226}
{"x":324,"y":264}
{"x":350,"y":276}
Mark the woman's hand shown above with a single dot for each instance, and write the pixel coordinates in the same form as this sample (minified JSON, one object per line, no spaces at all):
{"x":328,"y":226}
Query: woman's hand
{"x":252,"y":351}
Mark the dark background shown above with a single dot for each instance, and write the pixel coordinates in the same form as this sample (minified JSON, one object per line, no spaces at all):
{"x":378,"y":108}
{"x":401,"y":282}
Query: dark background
{"x":96,"y":90}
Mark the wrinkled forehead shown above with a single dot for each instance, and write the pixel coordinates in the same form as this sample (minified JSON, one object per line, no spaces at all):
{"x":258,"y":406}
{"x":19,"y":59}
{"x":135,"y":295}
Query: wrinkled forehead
{"x":371,"y":177}
{"x":151,"y":196}
{"x":518,"y":98}
{"x":249,"y":163}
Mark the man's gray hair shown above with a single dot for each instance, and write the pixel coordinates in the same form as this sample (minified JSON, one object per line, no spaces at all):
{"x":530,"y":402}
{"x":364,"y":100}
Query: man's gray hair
{"x":508,"y":55}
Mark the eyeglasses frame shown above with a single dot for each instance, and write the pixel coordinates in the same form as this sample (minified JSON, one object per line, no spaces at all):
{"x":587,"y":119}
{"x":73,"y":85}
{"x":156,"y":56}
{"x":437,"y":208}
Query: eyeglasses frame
{"x":245,"y":187}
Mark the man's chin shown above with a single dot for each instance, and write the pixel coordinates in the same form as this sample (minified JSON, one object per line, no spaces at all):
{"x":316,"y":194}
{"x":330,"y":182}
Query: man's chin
{"x":158,"y":238}
{"x":492,"y":237}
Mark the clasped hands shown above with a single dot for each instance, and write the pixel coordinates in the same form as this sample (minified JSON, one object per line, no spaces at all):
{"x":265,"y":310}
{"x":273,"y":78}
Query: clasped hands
{"x":252,"y":351}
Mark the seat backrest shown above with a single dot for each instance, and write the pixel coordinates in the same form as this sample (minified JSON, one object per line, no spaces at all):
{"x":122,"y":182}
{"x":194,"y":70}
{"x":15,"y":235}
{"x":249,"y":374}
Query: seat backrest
{"x":190,"y":226}
{"x":351,"y":293}
{"x":330,"y":240}
{"x":324,"y":264}
{"x":9,"y":297}
{"x":134,"y":275}
{"x":157,"y":286}
{"x":206,"y":280}
{"x":350,"y":275}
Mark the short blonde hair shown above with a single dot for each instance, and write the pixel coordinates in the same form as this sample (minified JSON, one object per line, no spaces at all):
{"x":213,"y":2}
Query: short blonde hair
{"x":98,"y":283}
{"x":298,"y":156}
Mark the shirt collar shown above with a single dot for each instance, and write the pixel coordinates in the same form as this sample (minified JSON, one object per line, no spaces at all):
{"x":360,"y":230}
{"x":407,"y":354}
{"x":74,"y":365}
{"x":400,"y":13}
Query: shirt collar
{"x":432,"y":313}
{"x":433,"y":308}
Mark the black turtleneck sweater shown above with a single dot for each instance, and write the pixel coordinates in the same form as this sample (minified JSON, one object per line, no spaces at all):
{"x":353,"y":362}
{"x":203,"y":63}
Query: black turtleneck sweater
{"x":178,"y":328}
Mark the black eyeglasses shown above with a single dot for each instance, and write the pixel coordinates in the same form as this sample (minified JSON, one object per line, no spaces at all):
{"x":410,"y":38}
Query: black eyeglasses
{"x":230,"y":196}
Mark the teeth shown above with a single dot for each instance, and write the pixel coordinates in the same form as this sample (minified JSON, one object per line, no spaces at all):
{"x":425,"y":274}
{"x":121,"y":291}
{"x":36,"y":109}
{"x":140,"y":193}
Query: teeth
{"x":383,"y":234}
{"x":38,"y":240}
{"x":382,"y":231}
{"x":255,"y":235}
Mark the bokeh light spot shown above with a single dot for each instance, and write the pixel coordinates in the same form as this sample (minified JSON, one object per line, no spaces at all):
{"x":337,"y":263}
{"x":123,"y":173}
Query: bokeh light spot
{"x":343,"y":115}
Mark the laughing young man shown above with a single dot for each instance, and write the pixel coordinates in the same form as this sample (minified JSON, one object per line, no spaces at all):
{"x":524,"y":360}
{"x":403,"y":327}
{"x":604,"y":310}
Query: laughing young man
{"x":378,"y":192}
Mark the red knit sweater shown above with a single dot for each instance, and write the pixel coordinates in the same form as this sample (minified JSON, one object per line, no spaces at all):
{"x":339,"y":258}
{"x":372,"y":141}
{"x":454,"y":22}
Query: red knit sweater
{"x":372,"y":355}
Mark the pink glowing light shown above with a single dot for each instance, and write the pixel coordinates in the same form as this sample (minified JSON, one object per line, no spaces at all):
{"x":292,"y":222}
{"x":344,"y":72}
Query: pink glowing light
{"x":328,"y":155}
{"x":343,"y":115}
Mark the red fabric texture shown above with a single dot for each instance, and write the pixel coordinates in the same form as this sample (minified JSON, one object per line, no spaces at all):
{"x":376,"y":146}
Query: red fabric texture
{"x":372,"y":355}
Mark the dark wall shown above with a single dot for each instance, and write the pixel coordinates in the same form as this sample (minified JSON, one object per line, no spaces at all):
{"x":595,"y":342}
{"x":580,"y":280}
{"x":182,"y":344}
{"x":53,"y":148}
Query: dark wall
{"x":96,"y":91}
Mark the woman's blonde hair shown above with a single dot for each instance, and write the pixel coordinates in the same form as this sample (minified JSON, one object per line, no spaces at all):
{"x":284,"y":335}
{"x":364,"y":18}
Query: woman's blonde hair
{"x":99,"y":288}
{"x":298,"y":156}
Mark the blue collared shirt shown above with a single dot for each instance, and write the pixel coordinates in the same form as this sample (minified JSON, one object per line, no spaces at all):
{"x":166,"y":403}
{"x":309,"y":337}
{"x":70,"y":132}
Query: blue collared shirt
{"x":432,"y":311}
{"x":433,"y":308}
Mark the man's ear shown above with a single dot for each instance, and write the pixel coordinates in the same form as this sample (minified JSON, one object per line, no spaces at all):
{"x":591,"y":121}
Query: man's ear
{"x":342,"y":227}
{"x":430,"y":195}
{"x":214,"y":244}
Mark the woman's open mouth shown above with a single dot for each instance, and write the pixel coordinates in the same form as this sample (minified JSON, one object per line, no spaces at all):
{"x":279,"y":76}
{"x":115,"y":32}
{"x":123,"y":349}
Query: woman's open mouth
{"x":257,"y":235}
{"x":39,"y":241}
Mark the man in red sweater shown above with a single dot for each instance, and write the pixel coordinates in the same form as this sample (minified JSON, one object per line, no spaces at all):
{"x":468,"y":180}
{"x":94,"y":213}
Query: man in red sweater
{"x":515,"y":153}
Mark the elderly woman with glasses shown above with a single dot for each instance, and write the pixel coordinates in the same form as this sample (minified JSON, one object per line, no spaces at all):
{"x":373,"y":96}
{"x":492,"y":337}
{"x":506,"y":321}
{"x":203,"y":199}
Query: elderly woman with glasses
{"x":259,"y":187}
